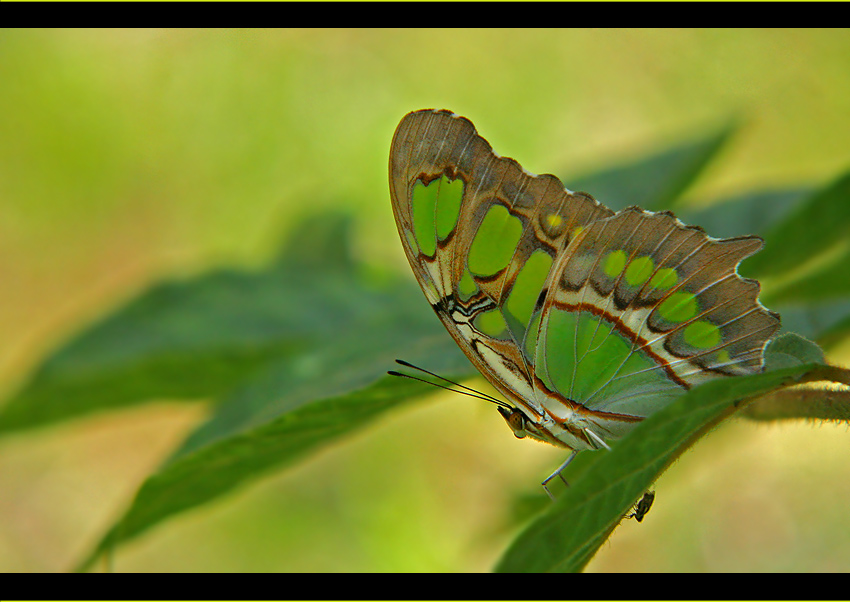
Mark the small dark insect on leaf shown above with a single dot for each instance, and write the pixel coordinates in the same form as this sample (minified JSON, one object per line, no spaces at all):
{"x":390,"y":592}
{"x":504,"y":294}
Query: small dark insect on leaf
{"x":642,"y":507}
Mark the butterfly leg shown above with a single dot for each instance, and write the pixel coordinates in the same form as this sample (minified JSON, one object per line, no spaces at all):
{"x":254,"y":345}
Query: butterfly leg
{"x":558,"y":474}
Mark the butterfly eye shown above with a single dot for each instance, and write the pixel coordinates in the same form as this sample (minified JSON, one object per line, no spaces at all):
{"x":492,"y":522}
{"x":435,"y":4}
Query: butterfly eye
{"x":515,"y":419}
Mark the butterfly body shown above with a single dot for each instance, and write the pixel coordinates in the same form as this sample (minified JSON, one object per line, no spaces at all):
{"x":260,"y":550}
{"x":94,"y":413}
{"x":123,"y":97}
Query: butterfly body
{"x":585,"y":320}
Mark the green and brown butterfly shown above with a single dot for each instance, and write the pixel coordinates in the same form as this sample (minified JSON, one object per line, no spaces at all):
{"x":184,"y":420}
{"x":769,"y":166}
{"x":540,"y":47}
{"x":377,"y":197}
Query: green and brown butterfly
{"x":587,"y":321}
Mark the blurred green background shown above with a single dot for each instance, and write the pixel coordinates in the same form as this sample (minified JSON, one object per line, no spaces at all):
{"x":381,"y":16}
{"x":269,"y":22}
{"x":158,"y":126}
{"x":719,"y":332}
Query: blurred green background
{"x":127,"y":156}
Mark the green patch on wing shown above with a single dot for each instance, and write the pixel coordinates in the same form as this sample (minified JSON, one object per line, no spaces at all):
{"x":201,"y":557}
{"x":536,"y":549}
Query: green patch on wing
{"x":495,"y":242}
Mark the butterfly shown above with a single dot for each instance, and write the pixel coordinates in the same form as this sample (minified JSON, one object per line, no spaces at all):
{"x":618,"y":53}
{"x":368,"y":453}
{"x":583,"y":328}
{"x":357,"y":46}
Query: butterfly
{"x":585,"y":320}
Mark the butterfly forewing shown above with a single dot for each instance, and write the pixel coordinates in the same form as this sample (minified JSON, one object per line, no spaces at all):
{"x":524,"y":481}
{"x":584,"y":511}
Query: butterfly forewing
{"x":481,"y":235}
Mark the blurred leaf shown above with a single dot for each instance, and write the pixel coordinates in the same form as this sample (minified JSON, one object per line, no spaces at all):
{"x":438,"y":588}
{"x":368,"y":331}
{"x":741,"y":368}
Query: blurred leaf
{"x":566,"y":537}
{"x":838,"y":331}
{"x":795,"y":403}
{"x":826,"y":323}
{"x":828,"y":281}
{"x":807,"y":402}
{"x":332,"y":382}
{"x":654,"y":181}
{"x":812,"y":228}
{"x":287,"y":412}
{"x":789,"y":350}
{"x":201,"y":337}
{"x":750,"y":213}
{"x":319,"y":242}
{"x":347,"y":366}
{"x":320,"y":338}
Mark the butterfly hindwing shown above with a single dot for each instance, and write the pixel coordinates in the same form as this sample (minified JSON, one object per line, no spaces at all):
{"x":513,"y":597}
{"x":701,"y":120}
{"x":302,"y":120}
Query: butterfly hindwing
{"x":640,"y":308}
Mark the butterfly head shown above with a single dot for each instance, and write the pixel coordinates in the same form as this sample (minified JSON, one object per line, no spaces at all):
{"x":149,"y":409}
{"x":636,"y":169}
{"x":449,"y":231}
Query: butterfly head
{"x":523,"y":426}
{"x":515,"y":419}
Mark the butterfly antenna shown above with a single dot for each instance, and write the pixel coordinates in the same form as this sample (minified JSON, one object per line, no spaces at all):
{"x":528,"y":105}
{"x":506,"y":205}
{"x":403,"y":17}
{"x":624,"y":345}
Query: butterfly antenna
{"x":451,"y":382}
{"x":467,"y":390}
{"x":428,"y":382}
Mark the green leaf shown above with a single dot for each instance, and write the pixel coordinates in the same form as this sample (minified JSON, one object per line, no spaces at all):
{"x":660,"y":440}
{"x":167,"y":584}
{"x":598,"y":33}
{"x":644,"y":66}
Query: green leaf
{"x":287,"y":412}
{"x":653,"y":181}
{"x":825,"y":322}
{"x":351,"y":365}
{"x":814,"y":227}
{"x":801,"y":402}
{"x":751,"y":213}
{"x":567,"y":536}
{"x":300,"y":397}
{"x":811,"y":266}
{"x":838,"y":330}
{"x":319,"y":242}
{"x":791,"y":349}
{"x":202,"y":337}
{"x":829,"y":280}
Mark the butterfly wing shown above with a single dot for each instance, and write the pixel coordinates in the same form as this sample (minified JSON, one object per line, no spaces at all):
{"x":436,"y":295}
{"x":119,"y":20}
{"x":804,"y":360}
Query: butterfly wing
{"x":481,"y":235}
{"x":586,"y":320}
{"x":638,"y":309}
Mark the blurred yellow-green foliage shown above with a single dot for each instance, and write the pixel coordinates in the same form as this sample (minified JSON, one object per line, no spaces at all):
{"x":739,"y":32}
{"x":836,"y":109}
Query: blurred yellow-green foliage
{"x":127,"y":156}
